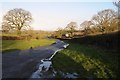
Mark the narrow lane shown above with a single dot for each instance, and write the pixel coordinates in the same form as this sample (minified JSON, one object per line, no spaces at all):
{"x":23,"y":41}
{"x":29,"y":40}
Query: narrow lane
{"x":21,"y":64}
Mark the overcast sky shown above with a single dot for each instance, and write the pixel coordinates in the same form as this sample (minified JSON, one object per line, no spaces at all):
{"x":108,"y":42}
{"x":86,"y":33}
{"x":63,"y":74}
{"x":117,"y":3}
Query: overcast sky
{"x":51,"y":15}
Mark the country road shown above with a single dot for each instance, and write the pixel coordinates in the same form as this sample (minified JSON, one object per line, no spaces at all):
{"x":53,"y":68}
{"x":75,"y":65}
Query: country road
{"x":21,"y":64}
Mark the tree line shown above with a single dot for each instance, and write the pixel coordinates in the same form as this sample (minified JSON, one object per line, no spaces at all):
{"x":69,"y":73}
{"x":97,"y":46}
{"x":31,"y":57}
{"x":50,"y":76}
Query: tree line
{"x":103,"y":22}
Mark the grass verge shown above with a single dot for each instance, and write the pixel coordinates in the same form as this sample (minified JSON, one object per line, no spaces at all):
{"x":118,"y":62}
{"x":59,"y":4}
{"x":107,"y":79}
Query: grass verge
{"x":87,"y":61}
{"x":10,"y":45}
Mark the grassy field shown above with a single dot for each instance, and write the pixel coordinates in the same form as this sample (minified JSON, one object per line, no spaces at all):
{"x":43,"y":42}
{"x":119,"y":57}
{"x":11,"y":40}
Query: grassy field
{"x":87,"y":61}
{"x":10,"y":45}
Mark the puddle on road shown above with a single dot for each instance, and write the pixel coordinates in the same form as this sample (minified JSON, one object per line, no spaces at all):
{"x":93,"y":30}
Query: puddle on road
{"x":45,"y":69}
{"x":71,"y":75}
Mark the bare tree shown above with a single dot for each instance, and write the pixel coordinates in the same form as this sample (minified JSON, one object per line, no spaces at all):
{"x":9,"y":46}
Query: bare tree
{"x":16,"y":19}
{"x":6,"y":27}
{"x":117,"y":4}
{"x":104,"y":19}
{"x":86,"y":25}
{"x":71,"y":27}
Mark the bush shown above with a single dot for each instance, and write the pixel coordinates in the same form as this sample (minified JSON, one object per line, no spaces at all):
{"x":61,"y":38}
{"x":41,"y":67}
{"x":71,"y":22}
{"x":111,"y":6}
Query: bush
{"x":12,"y":38}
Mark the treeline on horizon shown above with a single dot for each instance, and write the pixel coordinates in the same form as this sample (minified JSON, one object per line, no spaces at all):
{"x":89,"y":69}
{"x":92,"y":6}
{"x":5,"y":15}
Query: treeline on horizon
{"x":26,"y":35}
{"x":102,"y":30}
{"x":104,"y":22}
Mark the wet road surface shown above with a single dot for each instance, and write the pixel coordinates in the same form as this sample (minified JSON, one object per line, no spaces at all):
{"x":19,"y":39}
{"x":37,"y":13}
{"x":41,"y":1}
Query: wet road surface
{"x":21,"y":64}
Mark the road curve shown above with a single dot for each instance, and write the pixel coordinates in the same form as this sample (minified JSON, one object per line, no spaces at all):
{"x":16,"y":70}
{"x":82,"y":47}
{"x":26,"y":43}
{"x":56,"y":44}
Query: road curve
{"x":21,"y":64}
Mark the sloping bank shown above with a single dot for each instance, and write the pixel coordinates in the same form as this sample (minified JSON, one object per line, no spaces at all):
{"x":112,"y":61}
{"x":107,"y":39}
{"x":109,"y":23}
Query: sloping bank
{"x":45,"y":69}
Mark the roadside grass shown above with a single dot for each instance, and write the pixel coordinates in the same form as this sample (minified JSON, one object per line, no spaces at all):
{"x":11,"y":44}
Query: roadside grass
{"x":87,"y":61}
{"x":10,"y":45}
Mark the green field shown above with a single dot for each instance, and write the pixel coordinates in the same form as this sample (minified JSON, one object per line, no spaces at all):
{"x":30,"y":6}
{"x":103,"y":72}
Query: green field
{"x":87,"y":61}
{"x":10,"y":45}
